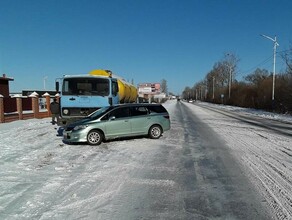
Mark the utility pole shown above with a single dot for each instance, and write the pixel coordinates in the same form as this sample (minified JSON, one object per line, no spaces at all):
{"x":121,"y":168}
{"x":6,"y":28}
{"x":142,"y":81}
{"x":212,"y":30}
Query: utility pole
{"x":274,"y":66}
{"x":45,"y":78}
{"x":213,"y":87}
{"x":230,"y":78}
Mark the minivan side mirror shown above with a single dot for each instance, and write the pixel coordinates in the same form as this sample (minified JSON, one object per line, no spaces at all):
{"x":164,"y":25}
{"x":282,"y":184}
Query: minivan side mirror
{"x":112,"y":118}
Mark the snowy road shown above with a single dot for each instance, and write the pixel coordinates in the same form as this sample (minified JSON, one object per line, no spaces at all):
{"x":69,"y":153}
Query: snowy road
{"x":263,"y":148}
{"x":208,"y":166}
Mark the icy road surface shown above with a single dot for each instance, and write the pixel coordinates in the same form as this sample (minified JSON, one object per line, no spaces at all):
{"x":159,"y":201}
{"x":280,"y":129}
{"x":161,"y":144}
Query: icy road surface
{"x":208,"y":166}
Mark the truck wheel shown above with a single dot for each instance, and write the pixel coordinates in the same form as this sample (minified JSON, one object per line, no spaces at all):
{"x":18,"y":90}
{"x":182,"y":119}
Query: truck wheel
{"x":94,"y":137}
{"x":155,"y":132}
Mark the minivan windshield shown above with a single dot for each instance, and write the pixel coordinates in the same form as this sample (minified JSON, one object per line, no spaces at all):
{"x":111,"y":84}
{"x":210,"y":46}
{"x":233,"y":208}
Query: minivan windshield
{"x":96,"y":114}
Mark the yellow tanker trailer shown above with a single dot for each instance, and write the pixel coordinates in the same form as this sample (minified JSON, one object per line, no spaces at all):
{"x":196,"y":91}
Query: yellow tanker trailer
{"x":127,"y":92}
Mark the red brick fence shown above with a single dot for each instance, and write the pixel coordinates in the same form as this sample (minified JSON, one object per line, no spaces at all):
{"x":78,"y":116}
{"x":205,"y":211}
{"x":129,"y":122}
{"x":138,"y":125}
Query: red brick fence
{"x":23,"y":107}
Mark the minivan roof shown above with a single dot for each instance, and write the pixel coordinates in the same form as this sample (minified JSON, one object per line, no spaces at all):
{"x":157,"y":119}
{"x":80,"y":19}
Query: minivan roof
{"x":137,"y":104}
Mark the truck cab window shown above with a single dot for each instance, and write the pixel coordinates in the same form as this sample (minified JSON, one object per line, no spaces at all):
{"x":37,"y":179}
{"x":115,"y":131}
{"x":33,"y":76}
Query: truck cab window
{"x":115,"y":88}
{"x":86,"y":86}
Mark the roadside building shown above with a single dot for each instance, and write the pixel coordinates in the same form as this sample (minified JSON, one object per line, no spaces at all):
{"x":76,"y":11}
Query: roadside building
{"x":4,"y":85}
{"x":150,"y":91}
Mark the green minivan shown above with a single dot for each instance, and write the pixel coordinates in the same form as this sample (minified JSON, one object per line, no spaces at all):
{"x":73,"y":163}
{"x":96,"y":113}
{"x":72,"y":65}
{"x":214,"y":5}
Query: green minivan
{"x":118,"y":121}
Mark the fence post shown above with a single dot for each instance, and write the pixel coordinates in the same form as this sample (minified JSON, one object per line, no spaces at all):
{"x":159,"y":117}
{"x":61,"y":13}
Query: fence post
{"x":35,"y":104}
{"x":19,"y":107}
{"x":1,"y":109}
{"x":48,"y":103}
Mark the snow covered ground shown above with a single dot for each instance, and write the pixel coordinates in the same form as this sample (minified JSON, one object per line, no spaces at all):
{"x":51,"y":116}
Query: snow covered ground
{"x":256,"y":112}
{"x":265,"y":155}
{"x":43,"y":178}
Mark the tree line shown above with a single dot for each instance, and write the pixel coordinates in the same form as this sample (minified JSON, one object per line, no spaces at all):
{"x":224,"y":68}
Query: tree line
{"x":254,"y":91}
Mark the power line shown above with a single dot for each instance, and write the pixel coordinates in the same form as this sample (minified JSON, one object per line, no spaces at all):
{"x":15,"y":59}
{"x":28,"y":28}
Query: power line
{"x":255,"y":67}
{"x":283,"y":51}
{"x":242,"y":73}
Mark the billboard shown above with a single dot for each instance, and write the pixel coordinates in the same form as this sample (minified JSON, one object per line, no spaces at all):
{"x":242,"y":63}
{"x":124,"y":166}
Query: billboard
{"x":149,"y":88}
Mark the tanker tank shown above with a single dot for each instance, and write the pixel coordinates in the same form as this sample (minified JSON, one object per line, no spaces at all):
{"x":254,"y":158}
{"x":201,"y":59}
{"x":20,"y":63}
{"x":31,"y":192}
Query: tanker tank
{"x":127,"y":92}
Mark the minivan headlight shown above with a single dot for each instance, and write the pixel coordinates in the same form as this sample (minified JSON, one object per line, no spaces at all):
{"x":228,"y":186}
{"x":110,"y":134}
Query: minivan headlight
{"x":80,"y":127}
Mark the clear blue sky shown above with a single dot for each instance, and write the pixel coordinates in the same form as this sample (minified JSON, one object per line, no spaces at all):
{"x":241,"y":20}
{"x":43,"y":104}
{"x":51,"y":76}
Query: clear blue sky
{"x":143,"y":40}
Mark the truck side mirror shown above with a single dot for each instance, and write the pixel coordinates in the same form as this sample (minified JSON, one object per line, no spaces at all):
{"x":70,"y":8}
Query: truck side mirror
{"x":110,"y":101}
{"x":57,"y":86}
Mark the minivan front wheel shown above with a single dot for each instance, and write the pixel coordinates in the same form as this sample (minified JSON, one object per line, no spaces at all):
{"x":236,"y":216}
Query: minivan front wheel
{"x":94,"y":137}
{"x":155,"y":132}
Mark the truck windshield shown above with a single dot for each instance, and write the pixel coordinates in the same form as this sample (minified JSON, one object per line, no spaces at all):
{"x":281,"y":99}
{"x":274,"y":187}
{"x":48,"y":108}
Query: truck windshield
{"x":86,"y":86}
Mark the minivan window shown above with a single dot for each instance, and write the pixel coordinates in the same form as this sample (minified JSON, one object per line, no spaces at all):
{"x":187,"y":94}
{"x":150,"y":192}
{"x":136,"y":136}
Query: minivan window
{"x":139,"y":110}
{"x":156,"y":109}
{"x":120,"y":112}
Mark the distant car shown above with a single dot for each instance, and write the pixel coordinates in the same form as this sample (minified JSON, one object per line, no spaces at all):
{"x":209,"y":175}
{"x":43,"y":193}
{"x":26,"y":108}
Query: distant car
{"x":125,"y":120}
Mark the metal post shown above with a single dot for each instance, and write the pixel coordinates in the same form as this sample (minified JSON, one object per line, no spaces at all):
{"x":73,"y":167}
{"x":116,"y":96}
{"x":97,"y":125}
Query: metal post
{"x":274,"y":65}
{"x":229,"y":81}
{"x":230,"y":78}
{"x":45,"y":78}
{"x":274,"y":68}
{"x":213,"y":87}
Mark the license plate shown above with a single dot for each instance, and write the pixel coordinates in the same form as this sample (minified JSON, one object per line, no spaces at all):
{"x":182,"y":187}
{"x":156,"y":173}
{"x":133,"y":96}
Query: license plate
{"x":66,"y":136}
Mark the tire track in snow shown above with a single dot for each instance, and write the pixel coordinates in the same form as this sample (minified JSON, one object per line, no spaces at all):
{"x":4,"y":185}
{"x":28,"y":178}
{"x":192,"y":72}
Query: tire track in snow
{"x":260,"y":152}
{"x":271,"y":172}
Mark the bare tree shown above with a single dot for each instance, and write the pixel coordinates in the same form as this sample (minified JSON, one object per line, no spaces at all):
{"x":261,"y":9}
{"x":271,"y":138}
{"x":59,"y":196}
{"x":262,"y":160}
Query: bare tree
{"x":164,"y":86}
{"x":287,"y":57}
{"x":220,"y":74}
{"x":257,"y":76}
{"x":187,"y":93}
{"x":230,"y":61}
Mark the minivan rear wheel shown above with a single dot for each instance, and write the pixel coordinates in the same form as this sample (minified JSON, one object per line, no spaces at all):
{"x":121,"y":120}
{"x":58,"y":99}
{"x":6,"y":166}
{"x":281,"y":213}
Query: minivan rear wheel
{"x":94,"y":137}
{"x":155,"y":132}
